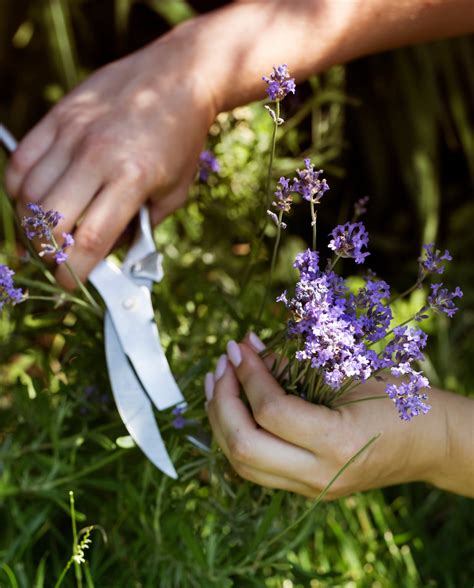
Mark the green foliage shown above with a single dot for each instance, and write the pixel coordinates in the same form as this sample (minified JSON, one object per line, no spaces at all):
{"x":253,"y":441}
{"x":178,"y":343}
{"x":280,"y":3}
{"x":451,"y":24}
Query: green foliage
{"x":57,"y":434}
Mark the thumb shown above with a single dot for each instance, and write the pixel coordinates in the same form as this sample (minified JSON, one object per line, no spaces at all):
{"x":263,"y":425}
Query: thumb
{"x":285,"y":415}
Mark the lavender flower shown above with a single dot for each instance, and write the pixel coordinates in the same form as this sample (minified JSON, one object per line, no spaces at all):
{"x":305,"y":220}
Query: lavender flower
{"x":348,"y":240}
{"x":57,"y":251}
{"x":307,"y":263}
{"x":441,"y":300}
{"x":283,"y":199}
{"x":207,"y":164}
{"x":279,"y":83}
{"x":432,"y":261}
{"x":179,"y":422}
{"x":308,"y":183}
{"x":40,"y":224}
{"x":335,"y":330}
{"x":325,"y":319}
{"x":360,"y":207}
{"x":8,"y":293}
{"x":406,"y":345}
{"x":276,"y":220}
{"x":408,"y":396}
{"x":276,"y":119}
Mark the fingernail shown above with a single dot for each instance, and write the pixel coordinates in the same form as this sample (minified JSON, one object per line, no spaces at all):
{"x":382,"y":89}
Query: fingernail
{"x":209,"y":386}
{"x":234,"y":353}
{"x":220,"y":369}
{"x":256,"y":343}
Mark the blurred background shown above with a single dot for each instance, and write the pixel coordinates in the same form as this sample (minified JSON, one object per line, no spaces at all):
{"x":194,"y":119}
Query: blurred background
{"x":398,"y":127}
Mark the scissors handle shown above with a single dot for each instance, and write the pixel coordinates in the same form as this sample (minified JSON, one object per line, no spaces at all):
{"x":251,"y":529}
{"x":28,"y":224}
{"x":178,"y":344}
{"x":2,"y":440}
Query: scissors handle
{"x":7,"y":140}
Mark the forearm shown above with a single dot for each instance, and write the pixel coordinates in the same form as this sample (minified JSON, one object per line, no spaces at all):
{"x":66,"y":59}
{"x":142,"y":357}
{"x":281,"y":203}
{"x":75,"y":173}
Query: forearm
{"x":453,"y":470}
{"x":239,"y":43}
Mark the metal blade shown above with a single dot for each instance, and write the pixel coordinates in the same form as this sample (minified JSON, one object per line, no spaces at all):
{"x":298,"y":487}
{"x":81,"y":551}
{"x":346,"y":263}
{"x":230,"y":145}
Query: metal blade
{"x":133,"y":404}
{"x":131,"y":312}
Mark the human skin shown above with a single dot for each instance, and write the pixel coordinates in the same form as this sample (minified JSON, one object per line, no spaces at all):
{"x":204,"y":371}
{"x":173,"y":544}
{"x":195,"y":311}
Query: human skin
{"x":281,"y":441}
{"x":133,"y":131}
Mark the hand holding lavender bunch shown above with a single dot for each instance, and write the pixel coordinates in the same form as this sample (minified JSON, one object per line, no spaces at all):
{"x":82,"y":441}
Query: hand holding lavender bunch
{"x":270,"y":406}
{"x":336,"y":339}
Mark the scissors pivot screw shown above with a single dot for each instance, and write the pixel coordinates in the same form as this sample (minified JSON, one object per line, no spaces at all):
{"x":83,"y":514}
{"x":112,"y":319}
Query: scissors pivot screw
{"x":129,"y":303}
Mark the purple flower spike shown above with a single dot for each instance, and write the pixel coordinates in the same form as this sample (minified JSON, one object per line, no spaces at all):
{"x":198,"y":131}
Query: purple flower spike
{"x":432,"y":262}
{"x":279,"y":83}
{"x":406,"y":345}
{"x":308,"y":183}
{"x":348,"y":240}
{"x":408,"y":396}
{"x":283,"y":198}
{"x":58,"y":252}
{"x":441,"y":300}
{"x":307,"y":262}
{"x":40,"y":224}
{"x":276,"y":220}
{"x":8,"y":293}
{"x":360,"y":207}
{"x":179,"y":422}
{"x":207,"y":164}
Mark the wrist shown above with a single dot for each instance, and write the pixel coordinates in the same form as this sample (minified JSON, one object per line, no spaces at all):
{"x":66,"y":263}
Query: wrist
{"x":233,"y":47}
{"x":176,"y":60}
{"x":452,"y":467}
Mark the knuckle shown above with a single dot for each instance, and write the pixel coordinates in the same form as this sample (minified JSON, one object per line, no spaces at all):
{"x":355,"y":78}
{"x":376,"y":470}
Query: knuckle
{"x":240,"y":448}
{"x":135,"y":172}
{"x":90,"y":240}
{"x":93,"y":145}
{"x":20,"y":162}
{"x":69,"y":121}
{"x":266,"y":411}
{"x":28,"y":190}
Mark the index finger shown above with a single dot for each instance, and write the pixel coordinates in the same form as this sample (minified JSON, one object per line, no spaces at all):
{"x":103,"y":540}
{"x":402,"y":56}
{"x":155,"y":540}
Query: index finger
{"x":34,"y":145}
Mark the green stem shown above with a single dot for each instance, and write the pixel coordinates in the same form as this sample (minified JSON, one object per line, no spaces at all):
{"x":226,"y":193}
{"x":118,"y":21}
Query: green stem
{"x":81,"y":286}
{"x":266,"y":197}
{"x":310,"y":386}
{"x":313,"y":223}
{"x":77,"y":567}
{"x":388,"y":333}
{"x":416,"y":285}
{"x":276,"y":245}
{"x":63,"y":574}
{"x":272,"y":266}
{"x":334,"y":262}
{"x":359,"y":400}
{"x":83,"y":289}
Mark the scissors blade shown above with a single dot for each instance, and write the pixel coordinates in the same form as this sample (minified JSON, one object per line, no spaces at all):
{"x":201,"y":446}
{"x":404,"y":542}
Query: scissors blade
{"x":131,"y":312}
{"x":133,"y":404}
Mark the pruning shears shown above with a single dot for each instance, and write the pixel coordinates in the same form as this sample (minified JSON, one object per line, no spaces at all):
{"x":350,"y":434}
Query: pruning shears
{"x":139,"y":373}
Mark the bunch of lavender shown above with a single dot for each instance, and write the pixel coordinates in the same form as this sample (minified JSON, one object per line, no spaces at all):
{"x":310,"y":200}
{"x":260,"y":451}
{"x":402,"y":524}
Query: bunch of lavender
{"x":336,"y":339}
